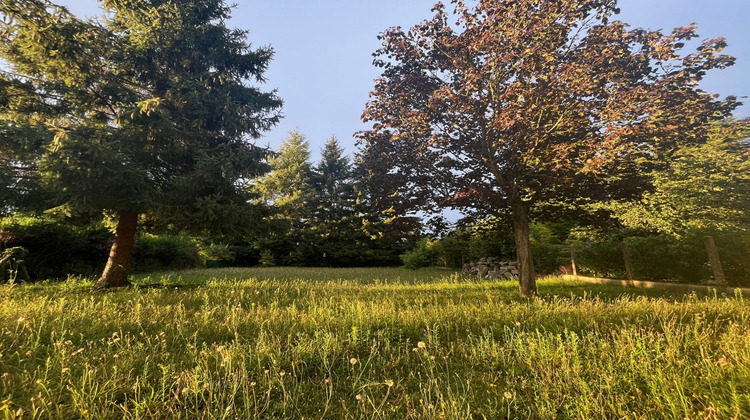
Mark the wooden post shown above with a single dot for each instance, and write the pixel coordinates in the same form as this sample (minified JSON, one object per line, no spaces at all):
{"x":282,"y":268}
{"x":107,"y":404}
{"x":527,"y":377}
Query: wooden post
{"x":628,"y":260}
{"x":573,"y":261}
{"x":713,"y":257}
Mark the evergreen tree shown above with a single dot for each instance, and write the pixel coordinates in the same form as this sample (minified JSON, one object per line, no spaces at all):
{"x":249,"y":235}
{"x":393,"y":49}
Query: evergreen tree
{"x":319,"y":217}
{"x":288,"y":190}
{"x":333,"y":184}
{"x":288,"y":186}
{"x":148,"y":112}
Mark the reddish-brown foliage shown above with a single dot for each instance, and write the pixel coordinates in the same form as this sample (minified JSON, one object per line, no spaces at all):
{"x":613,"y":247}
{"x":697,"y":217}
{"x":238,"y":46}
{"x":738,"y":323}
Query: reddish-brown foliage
{"x":522,"y":101}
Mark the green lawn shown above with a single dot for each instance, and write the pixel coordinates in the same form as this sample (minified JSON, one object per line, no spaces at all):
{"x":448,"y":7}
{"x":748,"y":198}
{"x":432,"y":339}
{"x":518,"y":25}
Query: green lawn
{"x":369,"y":343}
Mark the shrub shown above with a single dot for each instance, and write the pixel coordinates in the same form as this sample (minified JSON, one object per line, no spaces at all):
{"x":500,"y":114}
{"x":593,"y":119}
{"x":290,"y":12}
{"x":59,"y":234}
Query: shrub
{"x":165,"y":252}
{"x":495,"y":242}
{"x":662,"y":256}
{"x":420,"y":256}
{"x":57,"y":249}
{"x":548,"y":257}
{"x":266,"y":258}
{"x":216,"y":252}
{"x":548,"y":251}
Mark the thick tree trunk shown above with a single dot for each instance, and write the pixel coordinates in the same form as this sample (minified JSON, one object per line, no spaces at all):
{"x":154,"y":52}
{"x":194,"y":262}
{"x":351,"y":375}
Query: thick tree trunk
{"x":118,"y":265}
{"x":526,"y":273}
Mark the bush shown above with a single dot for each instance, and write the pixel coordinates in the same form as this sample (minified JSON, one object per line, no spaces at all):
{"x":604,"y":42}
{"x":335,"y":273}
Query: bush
{"x":548,"y":251}
{"x":165,"y":252}
{"x":548,"y":257}
{"x":56,"y":249}
{"x":496,"y":241}
{"x":451,"y":250}
{"x":216,"y":252}
{"x":662,"y":256}
{"x":266,"y":258}
{"x":734,"y":250}
{"x":420,"y":256}
{"x":246,"y":254}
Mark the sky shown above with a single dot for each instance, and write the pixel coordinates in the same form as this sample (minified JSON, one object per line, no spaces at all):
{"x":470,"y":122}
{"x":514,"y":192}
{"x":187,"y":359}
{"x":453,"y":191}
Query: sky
{"x":323,"y":70}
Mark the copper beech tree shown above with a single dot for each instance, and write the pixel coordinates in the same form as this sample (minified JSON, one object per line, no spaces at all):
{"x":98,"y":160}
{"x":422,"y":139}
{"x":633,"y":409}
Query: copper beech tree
{"x":500,"y":105}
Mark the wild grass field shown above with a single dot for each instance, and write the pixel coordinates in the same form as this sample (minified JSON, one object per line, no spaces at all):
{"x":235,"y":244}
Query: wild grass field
{"x":369,"y":343}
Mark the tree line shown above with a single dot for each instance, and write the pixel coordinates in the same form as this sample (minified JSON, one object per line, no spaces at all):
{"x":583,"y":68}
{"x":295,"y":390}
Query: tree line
{"x":518,"y":111}
{"x":321,"y":215}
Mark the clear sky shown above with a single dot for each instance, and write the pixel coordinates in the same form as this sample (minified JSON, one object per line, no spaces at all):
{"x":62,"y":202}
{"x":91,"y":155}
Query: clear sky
{"x":323,"y":64}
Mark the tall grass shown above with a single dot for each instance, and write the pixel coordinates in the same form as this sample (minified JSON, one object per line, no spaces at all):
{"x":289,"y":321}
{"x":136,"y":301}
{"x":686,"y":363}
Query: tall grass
{"x":368,"y":343}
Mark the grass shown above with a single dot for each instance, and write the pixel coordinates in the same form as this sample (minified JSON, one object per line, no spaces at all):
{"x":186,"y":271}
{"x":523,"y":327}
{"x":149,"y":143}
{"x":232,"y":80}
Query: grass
{"x":369,"y":343}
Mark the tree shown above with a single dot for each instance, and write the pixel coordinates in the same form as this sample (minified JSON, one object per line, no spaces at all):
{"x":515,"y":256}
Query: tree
{"x":345,"y":230}
{"x":288,"y":186}
{"x":287,"y":189}
{"x":333,"y":184}
{"x":148,"y":112}
{"x":525,"y":101}
{"x":335,"y":228}
{"x":706,"y":187}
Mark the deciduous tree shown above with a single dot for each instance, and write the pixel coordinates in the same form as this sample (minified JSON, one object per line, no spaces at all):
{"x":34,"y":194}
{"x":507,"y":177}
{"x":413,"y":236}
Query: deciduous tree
{"x":518,"y":102}
{"x":706,"y":187}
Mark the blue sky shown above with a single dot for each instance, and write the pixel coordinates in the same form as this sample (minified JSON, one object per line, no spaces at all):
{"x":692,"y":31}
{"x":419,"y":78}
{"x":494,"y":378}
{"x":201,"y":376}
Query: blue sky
{"x":323,"y":64}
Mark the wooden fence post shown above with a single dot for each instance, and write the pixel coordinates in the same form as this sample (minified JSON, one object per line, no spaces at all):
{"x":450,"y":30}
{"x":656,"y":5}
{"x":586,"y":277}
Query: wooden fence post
{"x":713,"y":257}
{"x":573,"y":261}
{"x":626,"y":255}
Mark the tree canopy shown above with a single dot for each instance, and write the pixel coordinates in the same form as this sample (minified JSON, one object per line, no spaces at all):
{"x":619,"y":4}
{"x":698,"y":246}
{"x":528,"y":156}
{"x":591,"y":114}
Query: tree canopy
{"x":150,"y":110}
{"x":706,"y":187}
{"x":523,"y":101}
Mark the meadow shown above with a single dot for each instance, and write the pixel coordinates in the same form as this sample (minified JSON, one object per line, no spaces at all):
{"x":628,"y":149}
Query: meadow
{"x":368,"y":343}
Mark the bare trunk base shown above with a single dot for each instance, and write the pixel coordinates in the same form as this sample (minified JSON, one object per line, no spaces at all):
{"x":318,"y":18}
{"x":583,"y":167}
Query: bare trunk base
{"x":526,"y":273}
{"x":118,"y":265}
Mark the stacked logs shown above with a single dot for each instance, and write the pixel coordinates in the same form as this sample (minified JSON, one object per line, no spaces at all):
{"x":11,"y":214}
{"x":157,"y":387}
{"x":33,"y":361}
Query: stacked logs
{"x":492,"y":268}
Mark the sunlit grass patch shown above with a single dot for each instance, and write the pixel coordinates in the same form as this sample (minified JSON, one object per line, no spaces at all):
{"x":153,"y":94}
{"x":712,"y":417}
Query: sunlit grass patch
{"x":368,"y":343}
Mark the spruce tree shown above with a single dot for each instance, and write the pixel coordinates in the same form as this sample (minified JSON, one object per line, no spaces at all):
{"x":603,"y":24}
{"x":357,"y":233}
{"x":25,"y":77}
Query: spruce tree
{"x":287,"y":190}
{"x":148,"y":111}
{"x":288,"y":186}
{"x":333,"y":183}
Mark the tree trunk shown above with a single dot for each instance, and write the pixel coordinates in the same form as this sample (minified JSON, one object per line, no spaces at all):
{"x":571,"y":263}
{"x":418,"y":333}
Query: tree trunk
{"x":118,"y":265}
{"x":526,"y":273}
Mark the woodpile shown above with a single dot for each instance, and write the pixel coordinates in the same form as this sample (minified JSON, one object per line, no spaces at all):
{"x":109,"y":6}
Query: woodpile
{"x":492,"y":268}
